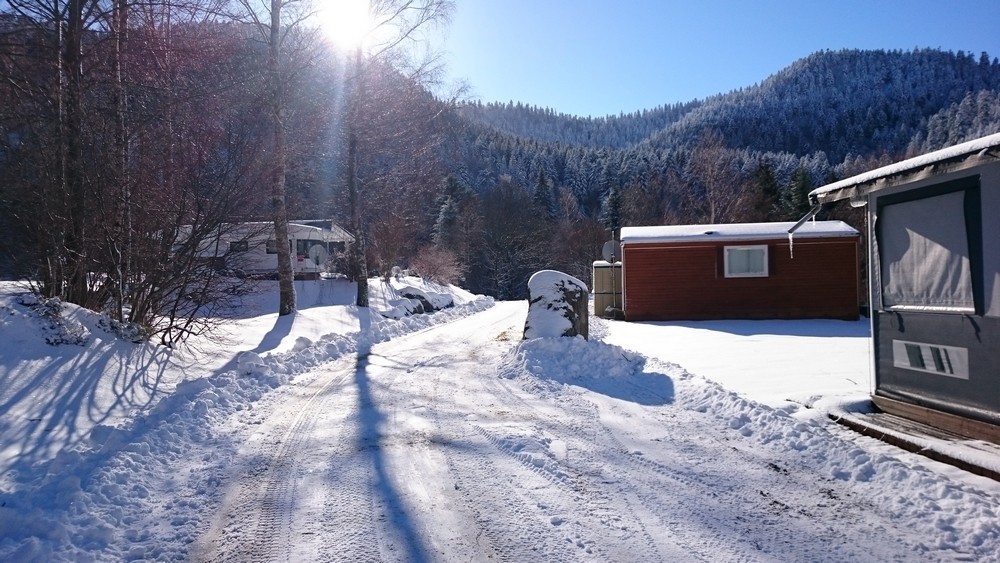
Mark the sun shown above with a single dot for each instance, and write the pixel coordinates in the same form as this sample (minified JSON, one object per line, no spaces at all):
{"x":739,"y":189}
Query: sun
{"x":348,"y":24}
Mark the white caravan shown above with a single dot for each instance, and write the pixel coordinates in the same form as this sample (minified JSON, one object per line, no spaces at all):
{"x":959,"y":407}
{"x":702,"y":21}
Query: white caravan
{"x":252,"y":249}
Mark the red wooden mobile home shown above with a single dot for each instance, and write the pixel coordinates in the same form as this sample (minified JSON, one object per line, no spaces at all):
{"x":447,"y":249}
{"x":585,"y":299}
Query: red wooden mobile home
{"x":740,"y":271}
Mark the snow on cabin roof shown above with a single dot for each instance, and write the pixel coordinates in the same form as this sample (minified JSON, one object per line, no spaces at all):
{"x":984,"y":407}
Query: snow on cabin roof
{"x":735,"y":232}
{"x":984,"y":149}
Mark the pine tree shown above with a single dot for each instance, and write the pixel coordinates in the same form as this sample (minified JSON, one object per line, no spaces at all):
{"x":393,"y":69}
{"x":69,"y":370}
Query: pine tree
{"x":543,"y":195}
{"x":445,"y":226}
{"x":795,"y":203}
{"x":611,"y":210}
{"x":767,"y":194}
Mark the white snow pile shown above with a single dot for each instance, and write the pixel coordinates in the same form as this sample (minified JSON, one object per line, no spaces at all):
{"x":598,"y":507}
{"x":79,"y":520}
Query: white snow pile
{"x":66,"y":494}
{"x":914,"y":492}
{"x":545,"y":365}
{"x":401,"y":298}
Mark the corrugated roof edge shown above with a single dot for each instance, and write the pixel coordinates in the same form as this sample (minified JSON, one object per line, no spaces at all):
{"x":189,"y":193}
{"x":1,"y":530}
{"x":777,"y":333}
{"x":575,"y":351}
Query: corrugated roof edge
{"x":984,"y":149}
{"x":734,"y":232}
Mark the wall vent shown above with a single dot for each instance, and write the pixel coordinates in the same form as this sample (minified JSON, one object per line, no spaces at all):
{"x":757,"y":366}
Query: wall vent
{"x":950,"y":361}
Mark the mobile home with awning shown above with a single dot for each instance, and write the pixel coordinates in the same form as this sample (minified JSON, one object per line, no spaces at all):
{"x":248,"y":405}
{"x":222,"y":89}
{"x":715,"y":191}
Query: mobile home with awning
{"x":934,"y":232}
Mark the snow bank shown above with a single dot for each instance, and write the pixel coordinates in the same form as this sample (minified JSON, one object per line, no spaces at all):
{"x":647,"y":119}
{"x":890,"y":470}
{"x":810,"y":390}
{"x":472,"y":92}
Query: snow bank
{"x":545,"y":365}
{"x":403,"y":296}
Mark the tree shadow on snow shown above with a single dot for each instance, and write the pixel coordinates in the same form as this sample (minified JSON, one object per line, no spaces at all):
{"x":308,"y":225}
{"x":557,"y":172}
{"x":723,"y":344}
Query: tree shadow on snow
{"x":282,"y":328}
{"x":52,"y":413}
{"x":369,"y":443}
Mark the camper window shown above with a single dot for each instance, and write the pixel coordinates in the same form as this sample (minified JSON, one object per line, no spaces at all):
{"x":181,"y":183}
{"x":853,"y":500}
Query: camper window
{"x":302,"y":247}
{"x":239,"y":246}
{"x":925,"y":256}
{"x":746,"y":261}
{"x":271,"y":246}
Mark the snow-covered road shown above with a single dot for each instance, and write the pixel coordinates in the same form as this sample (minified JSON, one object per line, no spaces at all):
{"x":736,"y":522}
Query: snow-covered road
{"x":457,"y":444}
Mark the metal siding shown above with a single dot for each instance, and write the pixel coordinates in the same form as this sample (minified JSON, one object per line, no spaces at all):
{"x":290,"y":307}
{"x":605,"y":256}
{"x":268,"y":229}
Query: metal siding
{"x":686,"y":282}
{"x":977,"y":397}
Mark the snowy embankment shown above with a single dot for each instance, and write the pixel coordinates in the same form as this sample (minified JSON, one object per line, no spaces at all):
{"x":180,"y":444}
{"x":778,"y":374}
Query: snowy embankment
{"x":87,"y":421}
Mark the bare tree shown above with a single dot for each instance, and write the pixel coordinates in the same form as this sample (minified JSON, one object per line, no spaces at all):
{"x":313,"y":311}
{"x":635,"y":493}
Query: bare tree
{"x":51,"y":76}
{"x":179,"y":159}
{"x":282,"y":26}
{"x":397,"y":24}
{"x":718,"y":193}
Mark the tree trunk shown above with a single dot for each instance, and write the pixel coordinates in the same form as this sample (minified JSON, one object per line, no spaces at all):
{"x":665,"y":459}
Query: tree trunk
{"x":74,"y":179}
{"x":286,"y":289}
{"x":121,"y":242}
{"x":358,"y":256}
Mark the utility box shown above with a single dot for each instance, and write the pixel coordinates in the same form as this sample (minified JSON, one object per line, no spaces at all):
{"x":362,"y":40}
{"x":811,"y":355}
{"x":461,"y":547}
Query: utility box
{"x":607,"y":284}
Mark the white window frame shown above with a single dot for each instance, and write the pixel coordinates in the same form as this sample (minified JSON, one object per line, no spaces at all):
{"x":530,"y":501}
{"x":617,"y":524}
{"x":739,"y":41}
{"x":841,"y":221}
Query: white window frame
{"x":761,"y":274}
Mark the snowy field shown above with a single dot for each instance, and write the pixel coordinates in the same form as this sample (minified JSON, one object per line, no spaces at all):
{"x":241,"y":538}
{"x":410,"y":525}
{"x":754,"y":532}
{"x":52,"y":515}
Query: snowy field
{"x":342,"y":435}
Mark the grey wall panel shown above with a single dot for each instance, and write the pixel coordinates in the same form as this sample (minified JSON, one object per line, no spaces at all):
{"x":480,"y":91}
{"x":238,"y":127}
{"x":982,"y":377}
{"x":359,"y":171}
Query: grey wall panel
{"x":927,"y":370}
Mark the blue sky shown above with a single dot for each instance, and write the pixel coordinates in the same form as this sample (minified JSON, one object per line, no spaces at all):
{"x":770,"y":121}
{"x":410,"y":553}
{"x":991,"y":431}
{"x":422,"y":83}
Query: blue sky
{"x":601,"y":57}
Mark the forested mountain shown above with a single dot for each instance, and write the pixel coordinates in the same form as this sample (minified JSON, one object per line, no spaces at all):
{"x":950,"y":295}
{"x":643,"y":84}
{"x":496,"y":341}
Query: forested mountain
{"x":748,"y":155}
{"x":546,"y":125}
{"x":841,"y":103}
{"x":825,"y":116}
{"x":844,"y":102}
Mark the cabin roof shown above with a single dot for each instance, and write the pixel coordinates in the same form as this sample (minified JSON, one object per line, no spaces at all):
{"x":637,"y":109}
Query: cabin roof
{"x":735,"y":232}
{"x":958,"y":157}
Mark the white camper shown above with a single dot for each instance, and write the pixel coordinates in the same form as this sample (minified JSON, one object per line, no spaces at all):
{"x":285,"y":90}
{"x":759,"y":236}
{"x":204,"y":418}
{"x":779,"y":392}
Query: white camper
{"x":252,"y":249}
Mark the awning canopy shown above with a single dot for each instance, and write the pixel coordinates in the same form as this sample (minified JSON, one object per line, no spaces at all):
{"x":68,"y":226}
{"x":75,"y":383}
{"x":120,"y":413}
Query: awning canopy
{"x":958,"y":157}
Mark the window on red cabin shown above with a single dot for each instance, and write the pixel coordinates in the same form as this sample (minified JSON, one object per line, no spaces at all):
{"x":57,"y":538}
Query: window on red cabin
{"x":746,"y":261}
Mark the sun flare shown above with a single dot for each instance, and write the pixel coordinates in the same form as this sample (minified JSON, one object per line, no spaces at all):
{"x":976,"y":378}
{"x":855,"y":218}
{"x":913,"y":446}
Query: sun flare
{"x":346,"y":23}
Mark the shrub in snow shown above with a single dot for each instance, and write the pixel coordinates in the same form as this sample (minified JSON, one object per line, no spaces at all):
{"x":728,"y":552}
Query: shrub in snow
{"x":130,"y":332}
{"x":58,"y":329}
{"x":557,"y":306}
{"x":438,"y":265}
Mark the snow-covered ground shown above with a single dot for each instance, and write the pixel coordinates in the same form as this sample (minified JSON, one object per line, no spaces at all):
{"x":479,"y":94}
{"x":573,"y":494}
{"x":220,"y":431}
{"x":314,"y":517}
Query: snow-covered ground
{"x":341,"y":435}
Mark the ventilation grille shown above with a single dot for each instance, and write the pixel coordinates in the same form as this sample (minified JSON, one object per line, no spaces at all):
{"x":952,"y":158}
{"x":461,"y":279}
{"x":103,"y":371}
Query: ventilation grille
{"x":950,"y":361}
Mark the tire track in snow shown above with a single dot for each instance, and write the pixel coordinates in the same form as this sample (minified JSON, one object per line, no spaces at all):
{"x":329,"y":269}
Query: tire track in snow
{"x":583,"y":493}
{"x":509,"y":525}
{"x":543,"y":515}
{"x":261,"y":522}
{"x":349,"y":522}
{"x":641,"y":491}
{"x":513,"y":523}
{"x":762,"y":518}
